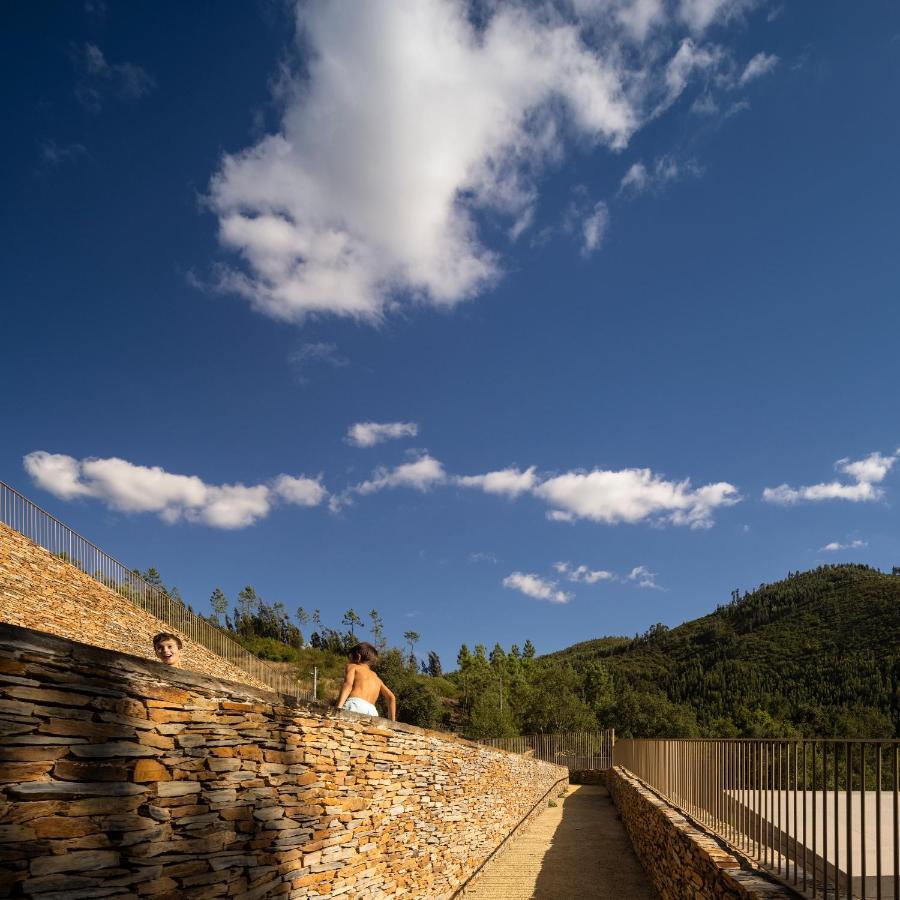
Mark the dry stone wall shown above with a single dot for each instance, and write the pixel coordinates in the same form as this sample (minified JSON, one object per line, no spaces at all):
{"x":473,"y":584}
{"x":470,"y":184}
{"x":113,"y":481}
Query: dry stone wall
{"x":682,"y":861}
{"x":123,"y":778}
{"x":38,"y":590}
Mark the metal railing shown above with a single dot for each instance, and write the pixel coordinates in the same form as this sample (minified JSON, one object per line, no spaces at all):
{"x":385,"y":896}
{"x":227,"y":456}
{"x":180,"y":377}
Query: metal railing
{"x":577,"y":750}
{"x":821,"y":815}
{"x":39,"y":526}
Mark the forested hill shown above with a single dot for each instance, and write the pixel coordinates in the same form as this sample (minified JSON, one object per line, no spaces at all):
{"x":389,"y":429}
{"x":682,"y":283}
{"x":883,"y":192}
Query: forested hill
{"x":817,"y":653}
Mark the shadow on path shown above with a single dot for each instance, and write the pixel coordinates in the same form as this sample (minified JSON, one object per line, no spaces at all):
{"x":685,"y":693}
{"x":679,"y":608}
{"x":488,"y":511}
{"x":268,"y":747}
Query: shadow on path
{"x":579,"y":849}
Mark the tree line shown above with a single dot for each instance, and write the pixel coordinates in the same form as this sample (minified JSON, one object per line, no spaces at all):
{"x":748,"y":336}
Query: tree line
{"x":817,"y":653}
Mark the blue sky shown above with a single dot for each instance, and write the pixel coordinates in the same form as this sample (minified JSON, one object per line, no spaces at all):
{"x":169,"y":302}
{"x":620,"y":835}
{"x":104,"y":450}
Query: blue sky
{"x":617,"y":282}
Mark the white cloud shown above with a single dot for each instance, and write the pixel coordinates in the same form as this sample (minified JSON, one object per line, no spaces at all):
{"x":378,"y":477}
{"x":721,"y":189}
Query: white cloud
{"x":483,"y":557}
{"x":313,"y":354}
{"x":705,"y":105}
{"x":644,"y":578}
{"x":534,"y":586}
{"x":870,"y":470}
{"x":53,"y":154}
{"x":835,"y":546}
{"x":508,"y":482}
{"x":130,"y":488}
{"x":406,"y":123}
{"x":633,"y":495}
{"x":56,"y":473}
{"x":422,"y":474}
{"x":687,"y":61}
{"x":300,"y":491}
{"x":640,"y":17}
{"x":639,"y":179}
{"x":101,"y":79}
{"x":230,"y":506}
{"x":593,"y":229}
{"x":864,"y":474}
{"x":636,"y":18}
{"x":701,"y":14}
{"x":407,"y":120}
{"x":636,"y":179}
{"x":368,"y":434}
{"x":584,"y":574}
{"x":759,"y":65}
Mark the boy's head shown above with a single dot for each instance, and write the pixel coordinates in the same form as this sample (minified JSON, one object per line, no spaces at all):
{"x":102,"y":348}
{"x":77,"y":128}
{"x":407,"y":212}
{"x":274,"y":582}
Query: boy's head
{"x":167,"y":648}
{"x":364,"y":653}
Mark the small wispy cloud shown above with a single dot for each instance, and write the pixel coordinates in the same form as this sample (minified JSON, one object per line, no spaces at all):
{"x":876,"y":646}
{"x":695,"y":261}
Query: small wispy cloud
{"x":536,"y":587}
{"x":639,"y":179}
{"x":837,"y":546}
{"x":507,"y":482}
{"x":640,"y":576}
{"x":593,"y":229}
{"x":102,"y":80}
{"x":368,"y":434}
{"x":584,"y":574}
{"x":53,"y":155}
{"x":483,"y":558}
{"x":863,"y":474}
{"x":644,"y":578}
{"x":759,"y":65}
{"x":308,"y":356}
{"x":422,"y":473}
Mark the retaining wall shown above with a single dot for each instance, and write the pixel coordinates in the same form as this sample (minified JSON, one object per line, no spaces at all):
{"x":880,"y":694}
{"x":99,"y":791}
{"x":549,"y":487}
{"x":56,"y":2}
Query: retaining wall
{"x":39,"y":590}
{"x":683,"y":861}
{"x":120,"y":777}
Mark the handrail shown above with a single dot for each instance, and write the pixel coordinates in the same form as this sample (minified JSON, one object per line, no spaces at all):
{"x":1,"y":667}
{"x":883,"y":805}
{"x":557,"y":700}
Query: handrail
{"x":44,"y":529}
{"x":822,"y":815}
{"x":579,"y":750}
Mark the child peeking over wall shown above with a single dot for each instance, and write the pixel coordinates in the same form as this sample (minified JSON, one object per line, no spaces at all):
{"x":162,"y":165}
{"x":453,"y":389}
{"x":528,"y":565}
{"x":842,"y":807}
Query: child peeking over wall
{"x":167,"y":648}
{"x":362,"y":687}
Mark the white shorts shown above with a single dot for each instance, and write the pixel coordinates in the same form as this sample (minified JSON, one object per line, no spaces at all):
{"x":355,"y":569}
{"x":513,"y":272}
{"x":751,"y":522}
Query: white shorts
{"x":358,"y":705}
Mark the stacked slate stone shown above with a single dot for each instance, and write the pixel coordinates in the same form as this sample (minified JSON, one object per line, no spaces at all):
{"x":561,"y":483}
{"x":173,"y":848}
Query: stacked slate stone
{"x":41,"y":591}
{"x":681,"y":859}
{"x":120,"y":777}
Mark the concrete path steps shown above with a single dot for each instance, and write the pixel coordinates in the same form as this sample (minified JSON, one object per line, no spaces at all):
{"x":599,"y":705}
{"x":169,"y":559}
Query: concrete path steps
{"x":578,"y":849}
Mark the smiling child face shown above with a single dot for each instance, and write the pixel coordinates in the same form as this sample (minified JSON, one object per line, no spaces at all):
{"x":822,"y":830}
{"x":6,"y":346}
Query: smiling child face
{"x":167,"y":651}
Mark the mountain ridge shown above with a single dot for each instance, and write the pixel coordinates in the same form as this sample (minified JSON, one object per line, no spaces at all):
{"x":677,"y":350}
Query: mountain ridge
{"x":817,"y":652}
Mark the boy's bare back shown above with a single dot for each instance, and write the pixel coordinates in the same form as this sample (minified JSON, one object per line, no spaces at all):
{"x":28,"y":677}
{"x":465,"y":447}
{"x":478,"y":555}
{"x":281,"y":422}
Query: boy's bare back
{"x":365,"y":684}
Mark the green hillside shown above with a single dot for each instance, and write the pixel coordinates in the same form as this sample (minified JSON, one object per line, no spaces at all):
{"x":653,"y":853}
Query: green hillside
{"x":817,"y":653}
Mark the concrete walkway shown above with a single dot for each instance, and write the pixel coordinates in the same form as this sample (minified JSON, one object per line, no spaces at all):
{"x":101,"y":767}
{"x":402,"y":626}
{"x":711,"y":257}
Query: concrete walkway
{"x":578,"y":849}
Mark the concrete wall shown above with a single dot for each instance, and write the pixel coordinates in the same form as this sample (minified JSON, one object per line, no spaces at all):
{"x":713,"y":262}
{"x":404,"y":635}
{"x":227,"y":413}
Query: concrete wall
{"x":40,"y":591}
{"x":683,"y":861}
{"x":123,"y":778}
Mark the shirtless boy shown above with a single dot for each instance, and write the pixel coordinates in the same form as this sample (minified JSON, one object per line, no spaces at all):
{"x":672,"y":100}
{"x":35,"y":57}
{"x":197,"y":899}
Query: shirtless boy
{"x":362,"y":686}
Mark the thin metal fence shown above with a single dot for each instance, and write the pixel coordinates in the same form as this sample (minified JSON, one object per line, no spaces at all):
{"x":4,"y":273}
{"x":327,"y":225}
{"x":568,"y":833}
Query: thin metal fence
{"x":577,"y":750}
{"x":820,"y":814}
{"x":39,"y":526}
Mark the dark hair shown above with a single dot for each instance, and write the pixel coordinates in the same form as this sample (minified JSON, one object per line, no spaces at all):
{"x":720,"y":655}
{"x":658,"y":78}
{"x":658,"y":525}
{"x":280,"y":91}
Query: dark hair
{"x":363,"y":653}
{"x":165,"y":636}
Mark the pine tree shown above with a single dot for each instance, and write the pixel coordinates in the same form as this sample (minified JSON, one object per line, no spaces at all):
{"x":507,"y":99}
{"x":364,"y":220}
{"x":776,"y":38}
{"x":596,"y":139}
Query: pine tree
{"x":412,"y":638}
{"x":219,"y":603}
{"x":351,"y":619}
{"x":377,"y":629}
